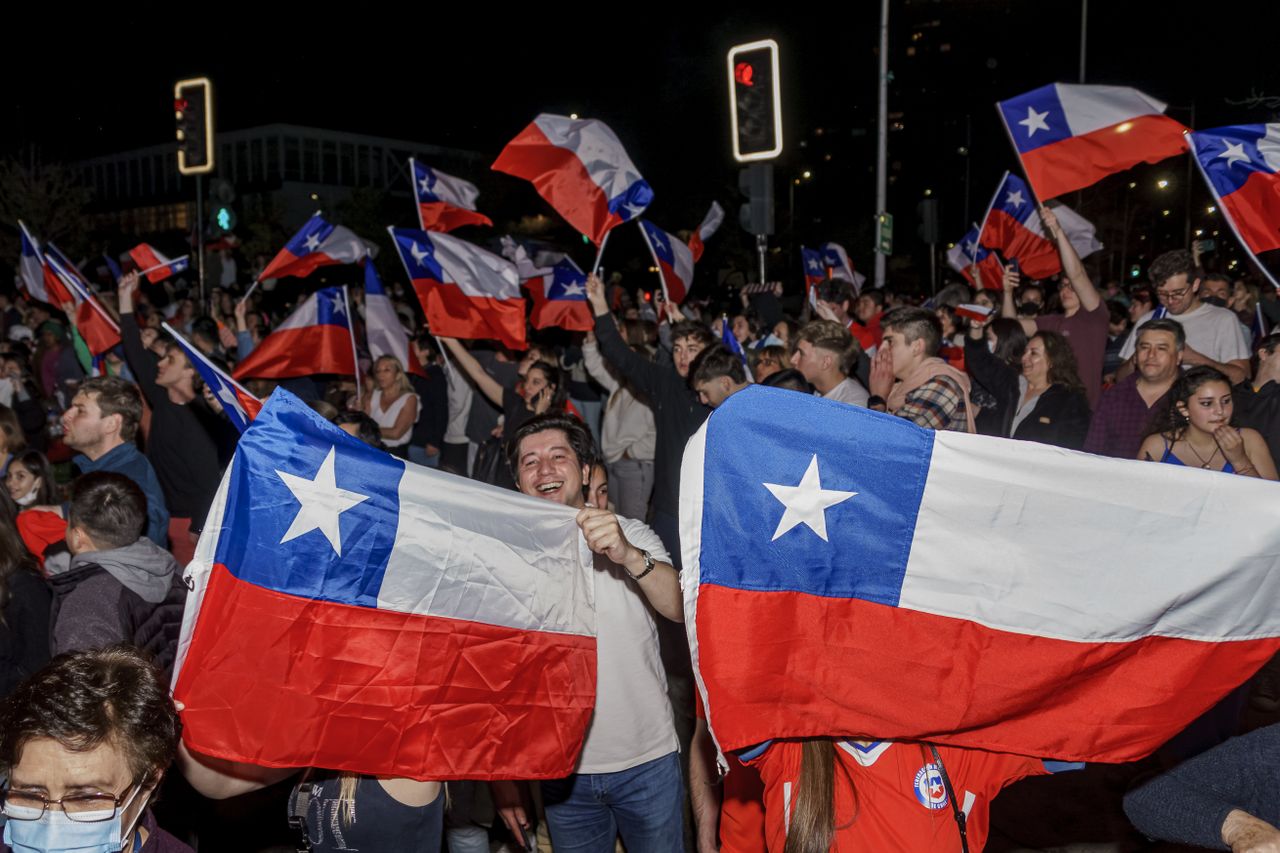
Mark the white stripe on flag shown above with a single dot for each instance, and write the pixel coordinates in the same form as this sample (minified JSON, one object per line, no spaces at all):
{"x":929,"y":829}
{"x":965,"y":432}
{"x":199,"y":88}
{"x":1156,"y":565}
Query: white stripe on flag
{"x":1041,"y":523}
{"x":596,"y":145}
{"x":477,"y":273}
{"x":1090,"y":108}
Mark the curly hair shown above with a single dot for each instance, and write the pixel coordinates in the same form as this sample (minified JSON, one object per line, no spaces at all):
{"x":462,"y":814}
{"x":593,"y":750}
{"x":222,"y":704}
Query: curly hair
{"x":1062,"y":361}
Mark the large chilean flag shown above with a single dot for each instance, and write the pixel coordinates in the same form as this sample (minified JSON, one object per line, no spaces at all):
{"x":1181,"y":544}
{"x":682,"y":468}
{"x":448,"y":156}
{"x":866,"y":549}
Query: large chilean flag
{"x":855,"y":575}
{"x":465,"y":291}
{"x":580,"y":167}
{"x":316,"y":338}
{"x":355,"y":612}
{"x":1242,"y":167}
{"x":317,"y":244}
{"x":674,"y":261}
{"x":1070,"y":136}
{"x":1012,"y":226}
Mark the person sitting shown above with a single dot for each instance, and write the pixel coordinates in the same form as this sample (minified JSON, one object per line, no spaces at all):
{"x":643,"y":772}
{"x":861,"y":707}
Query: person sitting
{"x":121,"y":586}
{"x":1195,"y":430}
{"x":717,"y":374}
{"x":910,"y":381}
{"x":85,"y":743}
{"x":825,"y":353}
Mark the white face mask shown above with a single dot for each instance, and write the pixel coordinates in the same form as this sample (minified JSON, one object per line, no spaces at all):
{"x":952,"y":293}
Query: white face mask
{"x":30,"y":497}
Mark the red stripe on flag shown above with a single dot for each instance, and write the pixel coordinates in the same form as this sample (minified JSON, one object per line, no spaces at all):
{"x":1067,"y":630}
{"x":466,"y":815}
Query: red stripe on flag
{"x":560,"y":178}
{"x":280,"y":681}
{"x":288,"y":264}
{"x":454,"y":314}
{"x":786,"y":664}
{"x":1255,"y":210}
{"x":572,"y":314}
{"x":1081,"y":161}
{"x":1037,"y":257}
{"x":321,"y":348}
{"x":676,"y":290}
{"x":98,"y":332}
{"x":441,"y":216}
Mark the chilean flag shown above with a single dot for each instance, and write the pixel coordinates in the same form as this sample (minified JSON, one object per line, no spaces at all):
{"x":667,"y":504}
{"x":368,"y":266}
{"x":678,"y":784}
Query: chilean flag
{"x":1012,"y":226}
{"x":710,"y":224}
{"x":95,"y":325}
{"x":317,"y":244}
{"x":560,"y":298}
{"x":238,"y":404}
{"x":465,"y":291}
{"x":382,"y":327}
{"x":581,"y":169}
{"x":814,"y":268}
{"x":674,"y":261}
{"x":31,"y":266}
{"x":352,"y":611}
{"x":1242,"y":167}
{"x":838,"y":265}
{"x":969,"y":253}
{"x":965,"y":589}
{"x":444,"y":202}
{"x":155,"y":266}
{"x":1070,"y":137}
{"x":315,"y":339}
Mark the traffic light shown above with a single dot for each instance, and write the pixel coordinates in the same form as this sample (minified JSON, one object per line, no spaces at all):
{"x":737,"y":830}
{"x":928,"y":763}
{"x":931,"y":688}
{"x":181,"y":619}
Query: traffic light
{"x":193,"y":110}
{"x":756,"y":183}
{"x":755,"y":101}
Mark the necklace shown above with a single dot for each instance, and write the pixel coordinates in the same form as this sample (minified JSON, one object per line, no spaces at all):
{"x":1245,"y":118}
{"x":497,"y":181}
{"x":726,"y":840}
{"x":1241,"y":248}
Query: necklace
{"x":1204,"y":463}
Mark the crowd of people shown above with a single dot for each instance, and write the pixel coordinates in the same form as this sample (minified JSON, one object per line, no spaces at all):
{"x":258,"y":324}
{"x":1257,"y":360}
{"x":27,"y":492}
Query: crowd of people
{"x":111,"y":465}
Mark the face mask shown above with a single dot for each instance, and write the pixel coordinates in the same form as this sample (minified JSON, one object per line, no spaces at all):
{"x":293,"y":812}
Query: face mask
{"x":29,"y":498}
{"x":54,"y":832}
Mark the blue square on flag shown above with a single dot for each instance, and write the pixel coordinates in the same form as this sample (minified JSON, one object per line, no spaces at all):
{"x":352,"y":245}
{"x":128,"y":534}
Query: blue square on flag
{"x":835,"y":520}
{"x":1035,"y":119}
{"x":329,"y":502}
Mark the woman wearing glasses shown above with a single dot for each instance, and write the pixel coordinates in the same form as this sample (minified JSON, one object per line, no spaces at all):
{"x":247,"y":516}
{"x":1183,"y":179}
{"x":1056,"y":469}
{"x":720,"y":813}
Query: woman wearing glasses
{"x":84,"y":743}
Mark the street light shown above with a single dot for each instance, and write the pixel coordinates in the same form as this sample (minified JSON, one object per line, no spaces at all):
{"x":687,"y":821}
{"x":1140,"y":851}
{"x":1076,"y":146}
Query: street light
{"x":1162,"y":183}
{"x":1211,"y":209}
{"x":806,"y":174}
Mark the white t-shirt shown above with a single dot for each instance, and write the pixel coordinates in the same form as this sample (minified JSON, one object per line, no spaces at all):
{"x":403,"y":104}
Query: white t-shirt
{"x":632,"y":723}
{"x":1212,"y":331}
{"x":459,"y":395}
{"x":849,"y":391}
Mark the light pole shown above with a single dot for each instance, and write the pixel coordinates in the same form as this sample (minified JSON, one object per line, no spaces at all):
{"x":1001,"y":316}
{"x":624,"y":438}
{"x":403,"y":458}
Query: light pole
{"x":882,"y":137}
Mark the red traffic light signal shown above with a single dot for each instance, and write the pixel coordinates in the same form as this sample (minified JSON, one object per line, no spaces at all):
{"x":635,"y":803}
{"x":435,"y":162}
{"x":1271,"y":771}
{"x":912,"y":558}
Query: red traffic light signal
{"x":755,"y":101}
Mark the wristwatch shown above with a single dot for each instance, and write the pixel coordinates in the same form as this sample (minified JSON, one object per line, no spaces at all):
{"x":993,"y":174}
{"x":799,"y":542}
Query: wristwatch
{"x":649,"y":564}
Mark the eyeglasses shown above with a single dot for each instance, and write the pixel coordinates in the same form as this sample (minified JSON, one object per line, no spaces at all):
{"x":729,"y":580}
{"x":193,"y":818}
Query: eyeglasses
{"x":1173,"y":294}
{"x":81,"y":808}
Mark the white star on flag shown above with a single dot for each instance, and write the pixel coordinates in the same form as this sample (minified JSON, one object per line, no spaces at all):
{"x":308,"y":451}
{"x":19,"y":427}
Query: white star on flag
{"x":807,"y":502}
{"x":1015,"y":199}
{"x":230,"y":401}
{"x":970,"y":248}
{"x":419,"y":255}
{"x":339,"y":305}
{"x":425,"y":183}
{"x":322,"y":502}
{"x":1034,"y":121}
{"x":572,"y":289}
{"x":312,"y":242}
{"x":814,"y":264}
{"x":1234,"y":154}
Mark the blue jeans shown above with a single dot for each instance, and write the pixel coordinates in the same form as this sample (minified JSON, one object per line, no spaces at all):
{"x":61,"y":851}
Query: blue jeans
{"x":644,"y":804}
{"x":419,"y":455}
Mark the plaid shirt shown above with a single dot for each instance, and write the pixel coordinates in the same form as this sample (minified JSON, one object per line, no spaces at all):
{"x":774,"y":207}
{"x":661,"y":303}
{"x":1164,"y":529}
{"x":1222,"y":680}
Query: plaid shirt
{"x":937,"y":404}
{"x":1121,"y":420}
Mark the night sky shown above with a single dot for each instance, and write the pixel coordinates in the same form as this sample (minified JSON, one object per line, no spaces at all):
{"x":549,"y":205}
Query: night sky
{"x":655,"y":75}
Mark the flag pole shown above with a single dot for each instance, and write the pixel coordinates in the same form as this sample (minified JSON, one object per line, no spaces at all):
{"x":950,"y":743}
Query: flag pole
{"x":162,"y":266}
{"x":413,"y":184}
{"x":249,"y":292}
{"x":351,"y":328}
{"x":595,"y":268}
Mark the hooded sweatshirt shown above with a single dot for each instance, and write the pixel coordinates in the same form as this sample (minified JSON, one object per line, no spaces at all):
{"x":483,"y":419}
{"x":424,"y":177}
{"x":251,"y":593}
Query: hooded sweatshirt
{"x":134,"y":594}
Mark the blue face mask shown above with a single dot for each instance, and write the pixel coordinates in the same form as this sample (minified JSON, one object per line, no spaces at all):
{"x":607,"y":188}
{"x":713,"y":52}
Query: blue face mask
{"x":54,"y":832}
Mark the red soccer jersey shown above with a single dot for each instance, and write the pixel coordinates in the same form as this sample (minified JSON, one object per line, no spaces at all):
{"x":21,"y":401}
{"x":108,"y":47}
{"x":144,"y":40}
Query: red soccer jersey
{"x":742,"y":806}
{"x":901,"y":802}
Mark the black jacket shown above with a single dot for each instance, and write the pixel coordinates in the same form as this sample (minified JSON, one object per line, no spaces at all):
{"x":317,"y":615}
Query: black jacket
{"x":1060,"y":417}
{"x":677,"y":413}
{"x":24,"y":630}
{"x":995,"y":383}
{"x":1260,"y":410}
{"x":180,"y":443}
